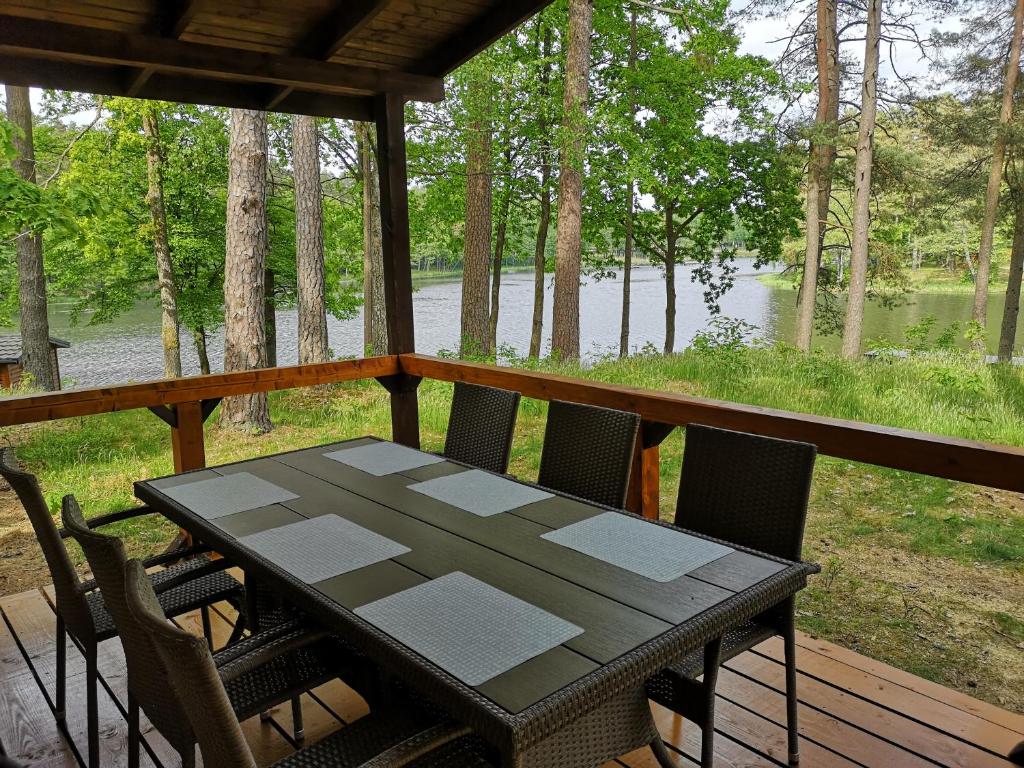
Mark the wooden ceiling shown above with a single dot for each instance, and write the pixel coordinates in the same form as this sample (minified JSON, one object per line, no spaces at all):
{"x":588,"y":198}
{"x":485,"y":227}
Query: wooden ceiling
{"x":317,"y":57}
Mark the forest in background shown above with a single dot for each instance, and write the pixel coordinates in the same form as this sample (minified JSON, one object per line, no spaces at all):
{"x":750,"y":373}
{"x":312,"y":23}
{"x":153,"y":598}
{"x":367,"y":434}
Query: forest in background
{"x":597,"y":135}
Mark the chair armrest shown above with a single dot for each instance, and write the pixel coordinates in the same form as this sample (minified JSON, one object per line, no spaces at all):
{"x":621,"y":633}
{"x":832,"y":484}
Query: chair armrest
{"x":213,"y":566}
{"x":112,"y":517}
{"x":415,"y":747}
{"x":181,"y":553}
{"x":268,"y":651}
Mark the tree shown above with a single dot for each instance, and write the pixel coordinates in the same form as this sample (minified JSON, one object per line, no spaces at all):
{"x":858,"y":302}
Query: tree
{"x":852,"y":328}
{"x":35,"y":325}
{"x":375,"y":329}
{"x":1011,"y":309}
{"x":475,"y":332}
{"x":309,"y":241}
{"x":543,"y":122}
{"x":246,"y":256}
{"x":565,"y":331}
{"x":822,"y":156}
{"x":980,"y":313}
{"x":161,"y":245}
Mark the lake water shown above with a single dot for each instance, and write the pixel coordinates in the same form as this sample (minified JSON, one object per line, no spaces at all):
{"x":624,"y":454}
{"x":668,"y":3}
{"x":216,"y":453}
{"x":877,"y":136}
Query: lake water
{"x":128,"y":349}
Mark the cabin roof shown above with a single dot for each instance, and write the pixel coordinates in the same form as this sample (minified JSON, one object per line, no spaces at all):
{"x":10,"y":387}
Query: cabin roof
{"x":10,"y":347}
{"x":317,"y":57}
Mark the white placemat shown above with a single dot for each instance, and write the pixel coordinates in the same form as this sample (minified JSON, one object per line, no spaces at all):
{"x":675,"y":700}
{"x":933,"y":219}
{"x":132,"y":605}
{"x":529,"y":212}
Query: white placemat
{"x":653,"y":551}
{"x":480,"y":492}
{"x":383,"y":458}
{"x":467,"y":627}
{"x":323,"y":547}
{"x":228,"y":495}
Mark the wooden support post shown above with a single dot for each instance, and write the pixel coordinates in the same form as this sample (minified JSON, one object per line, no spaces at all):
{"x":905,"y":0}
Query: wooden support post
{"x":644,"y":494}
{"x":394,"y":215}
{"x":187,"y":437}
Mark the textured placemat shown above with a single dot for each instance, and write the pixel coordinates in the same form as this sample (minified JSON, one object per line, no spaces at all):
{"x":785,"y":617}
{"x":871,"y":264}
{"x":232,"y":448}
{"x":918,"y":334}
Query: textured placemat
{"x":467,"y":627}
{"x":321,"y":548}
{"x":228,"y":495}
{"x":383,"y":458}
{"x":659,"y":553}
{"x":480,"y":492}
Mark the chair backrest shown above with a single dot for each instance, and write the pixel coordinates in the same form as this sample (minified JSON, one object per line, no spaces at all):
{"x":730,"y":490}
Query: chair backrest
{"x":71,"y":603}
{"x":480,"y":426}
{"x":588,"y":452}
{"x":746,"y":489}
{"x":147,"y":680}
{"x":191,"y":676}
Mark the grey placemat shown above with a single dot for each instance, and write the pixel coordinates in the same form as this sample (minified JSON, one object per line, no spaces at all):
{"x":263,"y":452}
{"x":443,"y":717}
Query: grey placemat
{"x":323,"y":547}
{"x":383,"y":458}
{"x":468,"y":628}
{"x":228,"y":495}
{"x":480,"y":492}
{"x":659,"y":553}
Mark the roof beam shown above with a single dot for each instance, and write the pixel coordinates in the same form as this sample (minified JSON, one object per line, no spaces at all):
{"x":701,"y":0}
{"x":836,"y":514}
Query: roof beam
{"x":462,"y":47}
{"x":64,"y":42}
{"x":328,"y":34}
{"x":171,"y":19}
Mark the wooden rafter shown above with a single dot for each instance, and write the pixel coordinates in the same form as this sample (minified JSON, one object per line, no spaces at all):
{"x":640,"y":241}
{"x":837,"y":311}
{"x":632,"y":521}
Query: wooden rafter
{"x":31,"y":38}
{"x":171,"y":19}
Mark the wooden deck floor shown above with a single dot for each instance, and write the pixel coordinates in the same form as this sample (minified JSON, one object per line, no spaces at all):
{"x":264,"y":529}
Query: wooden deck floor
{"x":854,"y":711}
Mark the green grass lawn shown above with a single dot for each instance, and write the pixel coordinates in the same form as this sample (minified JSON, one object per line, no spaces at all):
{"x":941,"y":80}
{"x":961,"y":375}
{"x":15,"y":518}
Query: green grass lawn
{"x":923,"y":573}
{"x":925,"y":279}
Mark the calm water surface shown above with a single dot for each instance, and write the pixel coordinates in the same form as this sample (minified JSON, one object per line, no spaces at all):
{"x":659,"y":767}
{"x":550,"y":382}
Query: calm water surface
{"x":129,"y":348}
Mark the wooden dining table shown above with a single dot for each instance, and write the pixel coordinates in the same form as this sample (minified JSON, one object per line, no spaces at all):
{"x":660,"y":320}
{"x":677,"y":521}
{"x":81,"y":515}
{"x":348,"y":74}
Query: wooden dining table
{"x":555,"y":643}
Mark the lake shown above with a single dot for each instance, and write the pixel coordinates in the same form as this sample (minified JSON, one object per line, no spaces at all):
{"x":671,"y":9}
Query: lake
{"x":128,"y":349}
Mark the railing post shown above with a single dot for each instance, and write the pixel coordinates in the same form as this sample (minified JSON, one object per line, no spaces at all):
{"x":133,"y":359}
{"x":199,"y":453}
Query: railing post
{"x":644,"y":494}
{"x":187,"y":437}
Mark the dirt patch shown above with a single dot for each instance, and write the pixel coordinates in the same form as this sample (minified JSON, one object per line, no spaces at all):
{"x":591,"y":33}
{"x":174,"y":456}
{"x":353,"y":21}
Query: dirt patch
{"x":21,"y":561}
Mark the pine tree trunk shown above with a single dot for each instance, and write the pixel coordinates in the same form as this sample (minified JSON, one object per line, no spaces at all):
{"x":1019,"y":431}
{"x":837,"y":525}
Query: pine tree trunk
{"x":245,"y":342}
{"x":1011,"y":308}
{"x":309,"y":241}
{"x":199,"y":337}
{"x":35,"y":325}
{"x":476,"y":257}
{"x":374,"y":312}
{"x":854,"y":324}
{"x":627,"y":254}
{"x":819,"y":169}
{"x":670,"y":278}
{"x":544,"y":222}
{"x":995,"y":175}
{"x":169,"y":333}
{"x":565,"y":331}
{"x":500,"y":239}
{"x":270,"y":317}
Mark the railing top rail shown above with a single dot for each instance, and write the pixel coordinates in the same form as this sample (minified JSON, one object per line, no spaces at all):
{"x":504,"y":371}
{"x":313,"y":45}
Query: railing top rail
{"x":997,"y":466}
{"x":26,"y":409}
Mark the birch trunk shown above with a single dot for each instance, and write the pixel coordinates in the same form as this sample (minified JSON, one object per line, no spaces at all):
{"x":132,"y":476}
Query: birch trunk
{"x":995,"y":174}
{"x":565,"y":331}
{"x":854,"y":324}
{"x":169,"y":332}
{"x":245,"y":343}
{"x":476,"y":257}
{"x":32,"y":304}
{"x":309,"y":241}
{"x":819,"y":169}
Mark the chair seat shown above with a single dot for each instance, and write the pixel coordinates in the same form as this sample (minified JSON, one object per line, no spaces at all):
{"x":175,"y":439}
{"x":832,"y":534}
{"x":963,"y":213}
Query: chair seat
{"x":676,"y":682}
{"x":192,"y":594}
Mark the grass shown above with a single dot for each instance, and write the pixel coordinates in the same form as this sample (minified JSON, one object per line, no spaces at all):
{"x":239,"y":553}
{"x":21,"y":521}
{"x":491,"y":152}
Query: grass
{"x":921,"y":280}
{"x":922,"y":573}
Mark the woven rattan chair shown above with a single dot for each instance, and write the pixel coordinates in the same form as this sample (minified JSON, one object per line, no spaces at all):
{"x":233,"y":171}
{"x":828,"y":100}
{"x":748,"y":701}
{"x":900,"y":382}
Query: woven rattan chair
{"x":80,"y":610}
{"x":400,"y":735}
{"x":752,"y":491}
{"x":262,"y":671}
{"x":480,"y":426}
{"x":588,"y":452}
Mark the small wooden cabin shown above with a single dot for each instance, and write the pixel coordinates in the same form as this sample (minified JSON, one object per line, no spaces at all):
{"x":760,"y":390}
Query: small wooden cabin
{"x":10,"y":359}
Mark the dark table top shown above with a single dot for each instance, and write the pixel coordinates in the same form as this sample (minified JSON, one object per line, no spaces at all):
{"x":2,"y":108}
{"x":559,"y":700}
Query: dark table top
{"x":623,"y":615}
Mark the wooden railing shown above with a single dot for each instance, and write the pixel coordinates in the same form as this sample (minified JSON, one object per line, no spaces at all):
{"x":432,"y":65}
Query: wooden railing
{"x":185,"y":404}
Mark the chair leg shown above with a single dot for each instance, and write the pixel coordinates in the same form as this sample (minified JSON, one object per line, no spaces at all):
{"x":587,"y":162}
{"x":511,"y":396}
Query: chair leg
{"x":661,"y":753}
{"x":188,"y":758}
{"x":789,"y":642}
{"x":92,"y":706}
{"x":134,"y":739}
{"x":204,"y":612}
{"x":60,"y":697}
{"x":298,"y":732}
{"x":712,"y":659}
